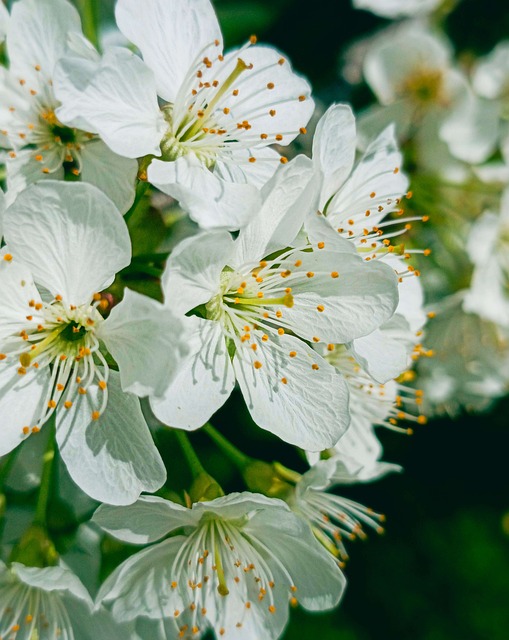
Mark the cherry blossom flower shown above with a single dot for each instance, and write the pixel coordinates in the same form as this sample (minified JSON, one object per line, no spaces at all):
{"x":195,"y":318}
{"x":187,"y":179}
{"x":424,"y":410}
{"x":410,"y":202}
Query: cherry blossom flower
{"x":40,"y":145}
{"x":235,"y":567}
{"x":258,"y":303}
{"x":59,"y":255}
{"x":203,"y":119}
{"x":51,"y":602}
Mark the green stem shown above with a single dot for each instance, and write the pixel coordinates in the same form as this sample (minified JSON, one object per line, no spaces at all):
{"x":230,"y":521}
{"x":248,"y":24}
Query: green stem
{"x":241,"y":460}
{"x":47,"y":474}
{"x":7,"y":466}
{"x":89,"y":10}
{"x":141,"y":189}
{"x":189,"y":453}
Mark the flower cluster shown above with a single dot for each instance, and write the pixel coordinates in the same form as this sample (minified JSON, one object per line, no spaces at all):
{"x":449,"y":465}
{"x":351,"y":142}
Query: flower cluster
{"x":451,"y":124}
{"x":290,"y":294}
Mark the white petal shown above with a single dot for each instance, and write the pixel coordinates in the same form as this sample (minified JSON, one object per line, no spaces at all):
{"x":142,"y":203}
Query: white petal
{"x":375,"y":185}
{"x":24,"y":170}
{"x":17,"y":290}
{"x":113,"y":175}
{"x":211,"y":201}
{"x":334,"y":146}
{"x":360,"y":444}
{"x":116,"y":98}
{"x":384,"y":353}
{"x":472,"y":129}
{"x":193,"y":272}
{"x":114,"y":458}
{"x":141,"y":585}
{"x":147,"y":342}
{"x":319,"y":228}
{"x":204,"y":382}
{"x":147,"y":520}
{"x":38,"y":35}
{"x":272,"y":98}
{"x":288,"y":198}
{"x":397,"y":8}
{"x":53,"y":579}
{"x":237,"y":168}
{"x":310,"y":410}
{"x":21,"y":403}
{"x":319,"y":581}
{"x":339,"y":309}
{"x":492,"y":73}
{"x":74,"y":242}
{"x":170,"y":36}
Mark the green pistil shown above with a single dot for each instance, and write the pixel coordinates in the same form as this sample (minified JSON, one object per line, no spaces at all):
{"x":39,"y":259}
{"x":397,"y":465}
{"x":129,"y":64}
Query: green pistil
{"x":63,"y":134}
{"x":286,"y":300}
{"x":240,"y":67}
{"x":73,"y":332}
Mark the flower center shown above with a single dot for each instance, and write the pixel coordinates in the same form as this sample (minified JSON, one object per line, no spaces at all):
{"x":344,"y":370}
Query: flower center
{"x":198,"y":129}
{"x":61,"y":338}
{"x":424,"y":87}
{"x":219,"y":561}
{"x":31,"y":613}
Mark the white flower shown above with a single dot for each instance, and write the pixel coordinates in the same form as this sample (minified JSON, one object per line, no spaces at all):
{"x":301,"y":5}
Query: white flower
{"x":237,"y":563}
{"x":353,"y":204}
{"x":470,"y":366}
{"x":43,"y":603}
{"x":488,"y":248}
{"x":40,"y":145}
{"x":398,"y":8}
{"x":412,"y":75}
{"x":260,"y":303}
{"x":69,"y":239}
{"x":219,"y":113}
{"x":491,"y":75}
{"x":334,"y":518}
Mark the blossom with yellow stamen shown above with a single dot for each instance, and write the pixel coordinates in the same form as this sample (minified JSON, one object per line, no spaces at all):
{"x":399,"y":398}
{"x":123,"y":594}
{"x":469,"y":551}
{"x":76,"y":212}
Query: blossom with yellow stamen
{"x":203,"y":120}
{"x":254,"y":311}
{"x":69,"y":240}
{"x":355,"y":204}
{"x":39,"y":603}
{"x":40,"y":145}
{"x":335,"y":519}
{"x":234,"y":568}
{"x":425,"y":95}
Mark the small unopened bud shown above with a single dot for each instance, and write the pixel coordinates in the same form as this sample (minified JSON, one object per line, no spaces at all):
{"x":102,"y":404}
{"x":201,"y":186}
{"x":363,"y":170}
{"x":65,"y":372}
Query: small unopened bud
{"x":205,"y":488}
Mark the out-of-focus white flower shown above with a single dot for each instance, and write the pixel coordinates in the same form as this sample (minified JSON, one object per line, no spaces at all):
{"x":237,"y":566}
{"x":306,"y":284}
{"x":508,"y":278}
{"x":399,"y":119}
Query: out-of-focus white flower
{"x":259,"y":302}
{"x":235,"y":567}
{"x":354,"y":203}
{"x":209,"y":141}
{"x":42,"y":603}
{"x":491,"y":75}
{"x":412,"y":75}
{"x":69,"y":239}
{"x":398,"y":8}
{"x":488,"y":247}
{"x":470,"y":366}
{"x":334,"y":518}
{"x":40,"y":145}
